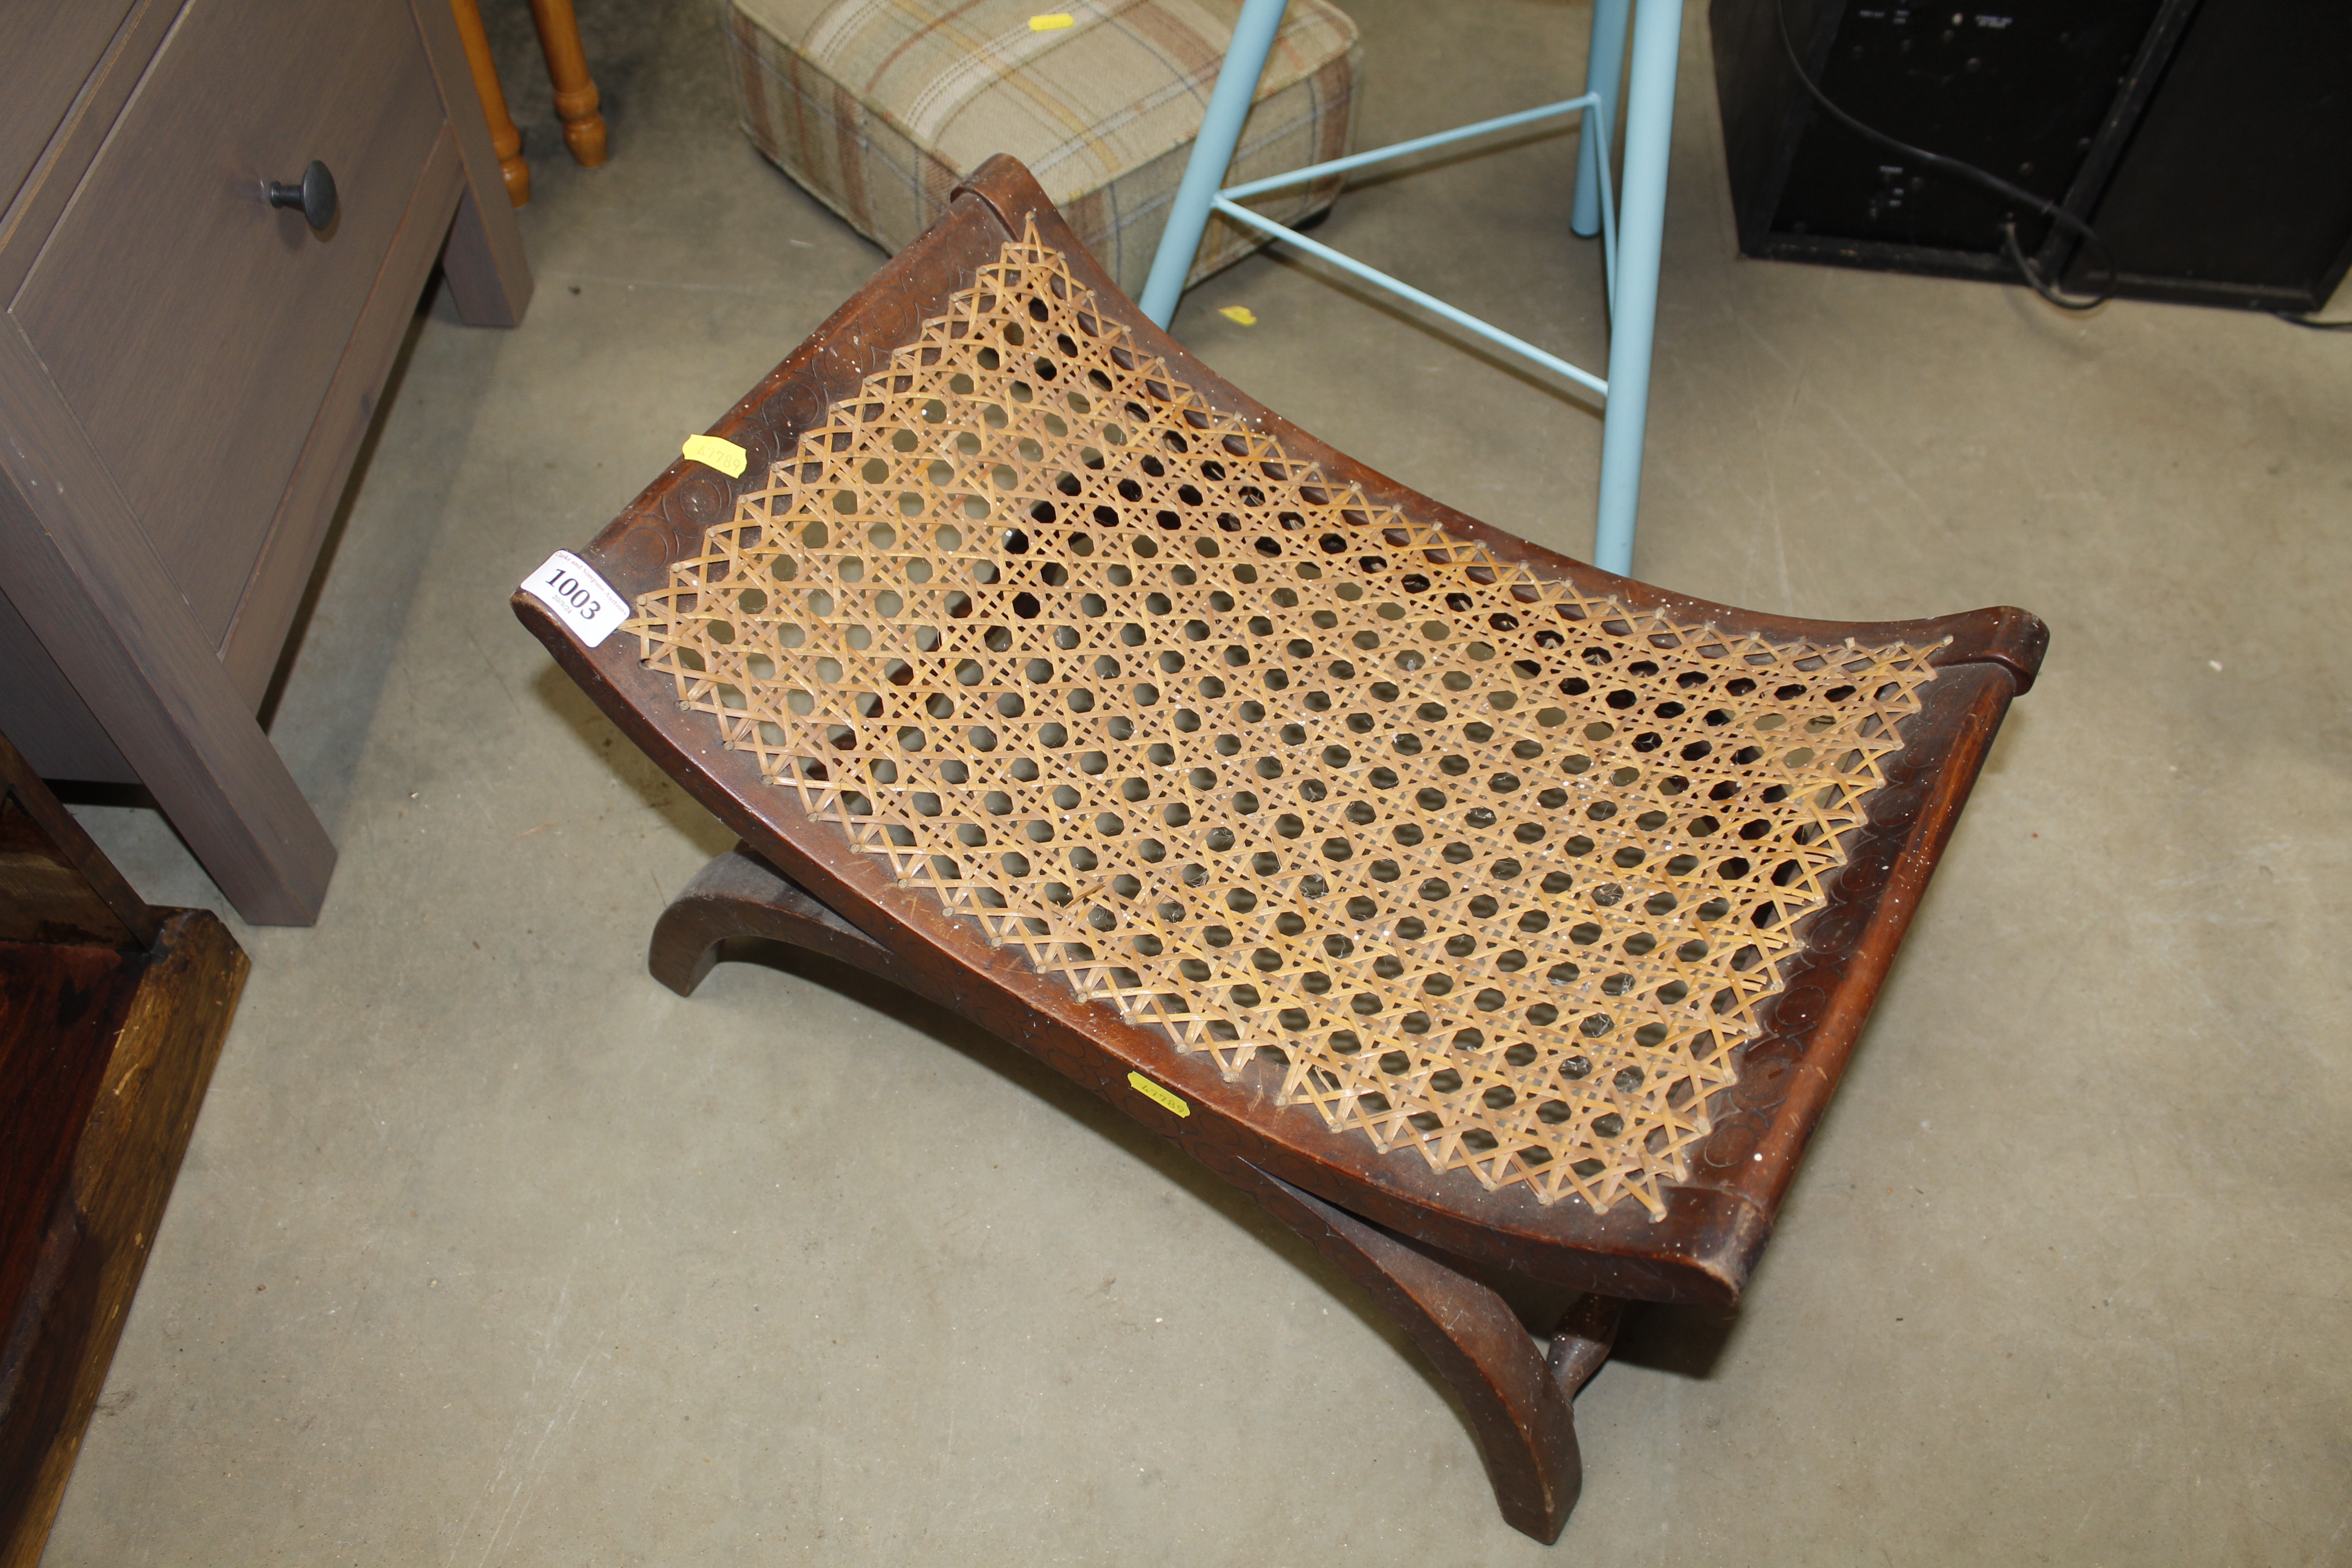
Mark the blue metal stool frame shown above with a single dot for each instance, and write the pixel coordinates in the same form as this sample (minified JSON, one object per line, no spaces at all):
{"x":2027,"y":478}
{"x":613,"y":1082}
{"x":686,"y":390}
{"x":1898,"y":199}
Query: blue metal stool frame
{"x":1633,"y":231}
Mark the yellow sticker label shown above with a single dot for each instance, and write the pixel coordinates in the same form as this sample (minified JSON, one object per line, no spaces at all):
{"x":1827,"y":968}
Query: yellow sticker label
{"x":723,"y":454}
{"x":1150,"y":1091}
{"x":1052,"y":21}
{"x":1239,"y":315}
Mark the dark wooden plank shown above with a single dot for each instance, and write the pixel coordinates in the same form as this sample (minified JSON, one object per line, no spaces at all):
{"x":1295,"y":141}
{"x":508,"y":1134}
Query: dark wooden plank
{"x":86,"y":580}
{"x":257,"y":636}
{"x":56,"y":885}
{"x":203,"y":285}
{"x":43,"y":897}
{"x":106,"y":1196}
{"x":490,"y":276}
{"x":60,"y":1009}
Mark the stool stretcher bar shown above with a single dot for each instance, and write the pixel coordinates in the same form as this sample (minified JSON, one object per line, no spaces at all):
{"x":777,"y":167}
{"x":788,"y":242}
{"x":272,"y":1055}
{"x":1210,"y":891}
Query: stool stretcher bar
{"x":1631,"y":291}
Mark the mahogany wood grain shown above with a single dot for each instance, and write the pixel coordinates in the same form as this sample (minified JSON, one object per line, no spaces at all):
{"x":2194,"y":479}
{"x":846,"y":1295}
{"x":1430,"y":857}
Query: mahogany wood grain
{"x":55,"y":884}
{"x":1716,"y":1223}
{"x":111,"y":1016}
{"x":800,"y":881}
{"x":505,"y":140}
{"x":739,"y":896}
{"x":116,"y":1050}
{"x":1519,"y":1408}
{"x":1582,"y":1340}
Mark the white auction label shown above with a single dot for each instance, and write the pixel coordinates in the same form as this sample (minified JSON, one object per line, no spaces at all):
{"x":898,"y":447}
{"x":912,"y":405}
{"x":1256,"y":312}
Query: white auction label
{"x":580,"y":598}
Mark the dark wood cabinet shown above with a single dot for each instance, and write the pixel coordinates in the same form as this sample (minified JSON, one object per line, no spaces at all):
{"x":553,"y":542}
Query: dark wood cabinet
{"x":186,"y":372}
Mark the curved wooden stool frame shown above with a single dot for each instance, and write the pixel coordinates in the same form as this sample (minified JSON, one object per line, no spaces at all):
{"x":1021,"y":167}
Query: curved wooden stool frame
{"x":1415,"y":1233}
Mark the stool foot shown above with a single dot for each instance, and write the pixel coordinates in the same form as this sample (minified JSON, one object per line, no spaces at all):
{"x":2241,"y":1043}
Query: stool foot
{"x":1518,"y":1402}
{"x":739,"y":895}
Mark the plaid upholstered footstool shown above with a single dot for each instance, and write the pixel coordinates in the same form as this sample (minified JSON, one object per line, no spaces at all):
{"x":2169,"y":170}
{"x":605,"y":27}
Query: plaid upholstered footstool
{"x":881,"y":109}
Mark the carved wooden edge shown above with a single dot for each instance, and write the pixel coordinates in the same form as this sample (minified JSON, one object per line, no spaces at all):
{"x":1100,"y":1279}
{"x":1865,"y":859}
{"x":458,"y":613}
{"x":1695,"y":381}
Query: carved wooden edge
{"x":1788,"y":1072}
{"x":1518,"y":1398}
{"x":1716,"y":1224}
{"x":56,"y":1346}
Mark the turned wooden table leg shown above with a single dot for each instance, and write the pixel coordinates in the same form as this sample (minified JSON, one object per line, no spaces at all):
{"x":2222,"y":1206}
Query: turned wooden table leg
{"x":567,"y":67}
{"x":505,"y":140}
{"x":1517,"y":1400}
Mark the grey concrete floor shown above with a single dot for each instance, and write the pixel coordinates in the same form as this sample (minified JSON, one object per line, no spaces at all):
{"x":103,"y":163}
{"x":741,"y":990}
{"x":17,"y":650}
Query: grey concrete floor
{"x":489,"y":1251}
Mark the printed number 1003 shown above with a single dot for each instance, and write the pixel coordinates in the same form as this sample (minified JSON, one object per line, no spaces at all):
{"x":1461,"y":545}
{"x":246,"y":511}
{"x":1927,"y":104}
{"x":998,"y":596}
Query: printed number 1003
{"x":573,"y":591}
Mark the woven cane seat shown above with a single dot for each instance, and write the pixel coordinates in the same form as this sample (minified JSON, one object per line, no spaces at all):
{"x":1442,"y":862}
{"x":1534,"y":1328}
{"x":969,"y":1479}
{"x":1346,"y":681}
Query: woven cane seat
{"x":1498,"y":870}
{"x":1504,"y":896}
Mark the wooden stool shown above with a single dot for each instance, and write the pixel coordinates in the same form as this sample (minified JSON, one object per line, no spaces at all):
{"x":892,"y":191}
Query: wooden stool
{"x":567,"y":69}
{"x":1475,"y":910}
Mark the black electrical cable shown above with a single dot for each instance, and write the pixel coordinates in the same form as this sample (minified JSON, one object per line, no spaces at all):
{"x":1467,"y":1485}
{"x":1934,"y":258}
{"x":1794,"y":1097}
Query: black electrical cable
{"x":2293,"y":319}
{"x":1970,"y":172}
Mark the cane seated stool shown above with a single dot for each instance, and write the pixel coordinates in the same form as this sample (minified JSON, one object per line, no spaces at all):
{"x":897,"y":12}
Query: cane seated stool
{"x":1477,"y":910}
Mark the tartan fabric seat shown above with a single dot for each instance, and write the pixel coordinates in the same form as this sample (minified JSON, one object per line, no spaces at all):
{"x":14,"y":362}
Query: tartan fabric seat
{"x":1477,"y":911}
{"x":881,"y":109}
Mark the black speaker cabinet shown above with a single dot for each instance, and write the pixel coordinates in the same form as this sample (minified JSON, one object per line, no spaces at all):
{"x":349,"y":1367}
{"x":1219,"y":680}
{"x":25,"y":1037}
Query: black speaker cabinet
{"x":2208,"y":141}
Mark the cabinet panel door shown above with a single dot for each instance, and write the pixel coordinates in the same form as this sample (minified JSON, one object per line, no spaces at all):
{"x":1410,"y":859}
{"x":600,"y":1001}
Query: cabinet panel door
{"x":49,"y":50}
{"x":192,"y":327}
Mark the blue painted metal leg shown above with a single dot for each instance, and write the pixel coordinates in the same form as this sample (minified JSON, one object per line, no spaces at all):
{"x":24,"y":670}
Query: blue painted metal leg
{"x":1221,"y":131}
{"x":1604,"y":72}
{"x":1641,"y":237}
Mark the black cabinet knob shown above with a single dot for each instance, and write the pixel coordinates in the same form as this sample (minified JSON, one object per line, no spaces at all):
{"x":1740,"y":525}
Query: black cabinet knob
{"x":315,"y":195}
